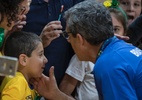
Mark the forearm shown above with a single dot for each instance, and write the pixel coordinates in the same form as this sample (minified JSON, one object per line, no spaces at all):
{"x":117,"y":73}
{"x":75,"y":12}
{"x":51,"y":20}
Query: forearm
{"x":63,"y":96}
{"x":60,"y":96}
{"x":68,"y":84}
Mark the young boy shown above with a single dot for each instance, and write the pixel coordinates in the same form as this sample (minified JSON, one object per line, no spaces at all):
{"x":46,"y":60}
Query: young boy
{"x":28,"y":48}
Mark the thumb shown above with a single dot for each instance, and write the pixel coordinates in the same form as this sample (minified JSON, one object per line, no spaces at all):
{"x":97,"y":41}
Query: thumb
{"x":51,"y":73}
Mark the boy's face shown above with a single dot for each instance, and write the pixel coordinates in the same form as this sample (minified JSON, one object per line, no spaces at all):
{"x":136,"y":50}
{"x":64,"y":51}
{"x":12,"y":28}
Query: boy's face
{"x":36,"y":63}
{"x":132,"y":8}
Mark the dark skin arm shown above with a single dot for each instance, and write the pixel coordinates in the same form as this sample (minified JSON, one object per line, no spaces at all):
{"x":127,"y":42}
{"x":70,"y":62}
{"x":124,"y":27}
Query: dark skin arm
{"x":68,"y":84}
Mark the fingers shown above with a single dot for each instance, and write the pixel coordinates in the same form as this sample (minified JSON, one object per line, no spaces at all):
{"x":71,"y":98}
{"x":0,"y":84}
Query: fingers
{"x":50,"y":32}
{"x":54,"y":22}
{"x":122,"y":37}
{"x":52,"y":27}
{"x":21,"y":24}
{"x":54,"y":34}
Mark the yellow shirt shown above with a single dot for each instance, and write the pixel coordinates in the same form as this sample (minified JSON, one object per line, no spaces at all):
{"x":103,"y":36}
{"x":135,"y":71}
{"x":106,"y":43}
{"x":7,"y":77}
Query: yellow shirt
{"x":16,"y":88}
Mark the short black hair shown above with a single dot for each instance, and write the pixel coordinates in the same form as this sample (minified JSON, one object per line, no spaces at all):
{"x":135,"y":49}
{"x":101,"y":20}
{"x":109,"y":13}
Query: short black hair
{"x":20,"y":42}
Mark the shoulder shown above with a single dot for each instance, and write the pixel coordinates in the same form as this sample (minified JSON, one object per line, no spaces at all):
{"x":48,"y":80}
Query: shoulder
{"x":18,"y":81}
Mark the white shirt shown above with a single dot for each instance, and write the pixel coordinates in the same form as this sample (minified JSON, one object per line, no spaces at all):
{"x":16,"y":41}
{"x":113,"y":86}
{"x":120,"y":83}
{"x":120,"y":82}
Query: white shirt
{"x":81,"y":71}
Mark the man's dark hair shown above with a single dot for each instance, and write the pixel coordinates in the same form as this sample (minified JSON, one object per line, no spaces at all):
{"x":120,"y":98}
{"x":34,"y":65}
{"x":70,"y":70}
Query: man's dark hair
{"x":91,"y":20}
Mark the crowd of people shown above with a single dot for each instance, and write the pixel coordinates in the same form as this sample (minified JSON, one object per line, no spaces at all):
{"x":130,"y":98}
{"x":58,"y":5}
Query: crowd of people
{"x":72,"y":49}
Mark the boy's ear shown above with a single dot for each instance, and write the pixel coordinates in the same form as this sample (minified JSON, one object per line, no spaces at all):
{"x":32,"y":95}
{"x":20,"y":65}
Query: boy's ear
{"x":22,"y":59}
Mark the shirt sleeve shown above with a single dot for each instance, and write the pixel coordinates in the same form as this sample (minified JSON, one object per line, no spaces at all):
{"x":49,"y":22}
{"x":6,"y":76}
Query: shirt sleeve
{"x":76,"y":69}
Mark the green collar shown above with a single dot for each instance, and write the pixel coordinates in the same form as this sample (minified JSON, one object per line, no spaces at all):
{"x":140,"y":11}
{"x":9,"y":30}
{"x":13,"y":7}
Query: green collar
{"x":1,"y":36}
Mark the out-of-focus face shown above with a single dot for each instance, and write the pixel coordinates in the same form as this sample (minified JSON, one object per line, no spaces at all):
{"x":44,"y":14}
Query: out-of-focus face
{"x":117,"y":26}
{"x":24,"y":8}
{"x":36,"y":63}
{"x":132,"y":8}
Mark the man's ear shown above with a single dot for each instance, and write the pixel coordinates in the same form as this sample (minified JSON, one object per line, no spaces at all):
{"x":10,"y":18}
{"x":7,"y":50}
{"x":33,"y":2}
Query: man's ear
{"x":80,"y":39}
{"x":23,"y":59}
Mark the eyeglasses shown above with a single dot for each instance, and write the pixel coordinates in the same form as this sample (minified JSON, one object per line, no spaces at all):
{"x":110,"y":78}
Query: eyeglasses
{"x":65,"y":34}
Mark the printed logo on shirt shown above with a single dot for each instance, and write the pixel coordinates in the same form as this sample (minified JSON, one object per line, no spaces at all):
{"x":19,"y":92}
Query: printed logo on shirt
{"x":29,"y":97}
{"x":137,"y":52}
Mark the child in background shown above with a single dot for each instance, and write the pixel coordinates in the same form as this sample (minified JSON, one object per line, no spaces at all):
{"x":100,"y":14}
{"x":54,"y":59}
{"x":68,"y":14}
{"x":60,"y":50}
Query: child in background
{"x":119,"y":21}
{"x":119,"y":17}
{"x":28,"y":48}
{"x":9,"y":10}
{"x":132,"y":8}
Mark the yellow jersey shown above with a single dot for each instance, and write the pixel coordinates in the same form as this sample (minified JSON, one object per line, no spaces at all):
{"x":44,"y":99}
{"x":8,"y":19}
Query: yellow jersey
{"x":16,"y":88}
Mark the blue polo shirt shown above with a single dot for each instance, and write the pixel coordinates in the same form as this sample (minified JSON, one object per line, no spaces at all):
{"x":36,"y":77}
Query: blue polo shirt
{"x":118,"y":72}
{"x":59,"y":51}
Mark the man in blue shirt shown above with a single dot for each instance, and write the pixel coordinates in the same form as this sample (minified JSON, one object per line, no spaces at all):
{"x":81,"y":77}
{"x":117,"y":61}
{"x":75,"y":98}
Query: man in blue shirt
{"x":59,"y":51}
{"x":118,"y":65}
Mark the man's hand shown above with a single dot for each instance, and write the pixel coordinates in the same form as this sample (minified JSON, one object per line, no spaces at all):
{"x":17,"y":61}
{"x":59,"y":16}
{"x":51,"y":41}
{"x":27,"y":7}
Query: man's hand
{"x":50,"y":32}
{"x":46,"y":86}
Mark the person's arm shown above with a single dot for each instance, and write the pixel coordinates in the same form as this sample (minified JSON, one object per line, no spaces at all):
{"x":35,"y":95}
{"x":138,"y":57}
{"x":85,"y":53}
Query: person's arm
{"x":47,"y":87}
{"x":50,"y":32}
{"x":68,"y":84}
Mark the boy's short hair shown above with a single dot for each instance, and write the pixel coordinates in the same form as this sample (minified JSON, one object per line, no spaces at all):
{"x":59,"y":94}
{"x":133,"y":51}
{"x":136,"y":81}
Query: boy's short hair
{"x":20,"y":42}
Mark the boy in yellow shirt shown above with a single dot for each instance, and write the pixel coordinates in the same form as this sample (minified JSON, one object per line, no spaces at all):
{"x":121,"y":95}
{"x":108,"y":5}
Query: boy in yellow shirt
{"x":28,"y":48}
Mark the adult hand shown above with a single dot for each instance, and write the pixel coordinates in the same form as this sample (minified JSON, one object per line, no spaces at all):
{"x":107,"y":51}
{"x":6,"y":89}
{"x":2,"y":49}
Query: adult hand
{"x":46,"y":86}
{"x":20,"y":23}
{"x":50,"y":32}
